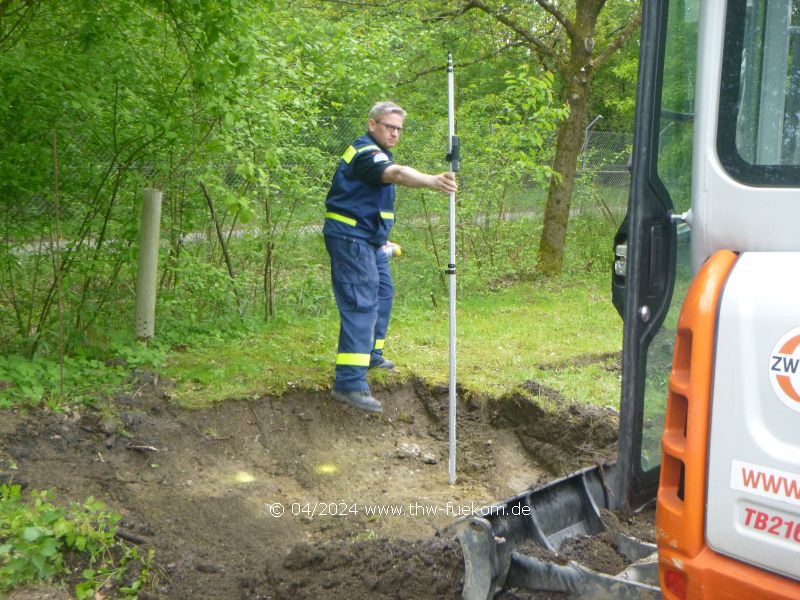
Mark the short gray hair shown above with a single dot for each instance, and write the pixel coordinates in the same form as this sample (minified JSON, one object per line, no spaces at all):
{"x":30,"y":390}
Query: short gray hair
{"x":383,"y":108}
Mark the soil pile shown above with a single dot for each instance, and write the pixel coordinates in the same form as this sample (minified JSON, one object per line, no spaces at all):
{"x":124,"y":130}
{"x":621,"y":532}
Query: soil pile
{"x":374,"y":569}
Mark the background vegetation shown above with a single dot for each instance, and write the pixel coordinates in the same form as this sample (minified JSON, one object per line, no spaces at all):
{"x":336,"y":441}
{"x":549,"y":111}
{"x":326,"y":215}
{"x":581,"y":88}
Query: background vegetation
{"x":254,"y":101}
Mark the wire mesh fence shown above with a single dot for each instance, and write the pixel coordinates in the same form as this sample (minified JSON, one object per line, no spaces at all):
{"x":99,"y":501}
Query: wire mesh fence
{"x":602,"y":180}
{"x":601,"y":186}
{"x":603,"y":175}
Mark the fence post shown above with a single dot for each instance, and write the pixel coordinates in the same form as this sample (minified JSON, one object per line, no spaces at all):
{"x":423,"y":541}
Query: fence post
{"x":149,"y":237}
{"x":586,"y":133}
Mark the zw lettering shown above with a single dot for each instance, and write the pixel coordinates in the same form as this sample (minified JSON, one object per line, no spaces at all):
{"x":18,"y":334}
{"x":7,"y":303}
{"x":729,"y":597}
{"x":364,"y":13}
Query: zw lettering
{"x":784,"y":364}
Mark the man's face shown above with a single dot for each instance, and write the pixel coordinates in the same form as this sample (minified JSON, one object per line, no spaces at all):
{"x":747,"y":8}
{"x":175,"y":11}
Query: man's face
{"x":386,"y":129}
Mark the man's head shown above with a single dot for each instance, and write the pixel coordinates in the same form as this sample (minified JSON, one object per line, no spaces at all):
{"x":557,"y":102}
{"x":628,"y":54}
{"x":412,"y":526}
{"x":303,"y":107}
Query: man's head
{"x":385,"y":123}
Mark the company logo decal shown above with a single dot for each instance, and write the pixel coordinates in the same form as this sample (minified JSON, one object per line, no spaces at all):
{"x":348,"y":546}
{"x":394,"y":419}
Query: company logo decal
{"x":784,"y":369}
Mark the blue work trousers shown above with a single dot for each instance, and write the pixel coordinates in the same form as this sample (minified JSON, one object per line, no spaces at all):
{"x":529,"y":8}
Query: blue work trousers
{"x":363,"y":288}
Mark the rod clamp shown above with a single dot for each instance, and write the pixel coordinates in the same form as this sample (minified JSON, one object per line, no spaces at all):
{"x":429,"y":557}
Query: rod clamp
{"x":454,"y":156}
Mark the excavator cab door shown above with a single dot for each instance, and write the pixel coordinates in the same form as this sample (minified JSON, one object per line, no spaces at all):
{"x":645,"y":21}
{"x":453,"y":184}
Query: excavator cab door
{"x":652,"y":259}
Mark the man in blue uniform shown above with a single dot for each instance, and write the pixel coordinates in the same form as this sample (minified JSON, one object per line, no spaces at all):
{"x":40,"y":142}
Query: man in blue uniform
{"x":359,"y":216}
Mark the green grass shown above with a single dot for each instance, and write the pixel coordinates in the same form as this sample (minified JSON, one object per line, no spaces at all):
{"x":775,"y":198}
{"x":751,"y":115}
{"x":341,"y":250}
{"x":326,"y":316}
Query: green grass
{"x":511,"y":324}
{"x":280,"y":357}
{"x":504,"y":338}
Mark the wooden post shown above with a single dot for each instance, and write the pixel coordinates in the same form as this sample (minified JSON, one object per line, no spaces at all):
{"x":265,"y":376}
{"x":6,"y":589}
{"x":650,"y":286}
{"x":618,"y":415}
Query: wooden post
{"x":149,"y":238}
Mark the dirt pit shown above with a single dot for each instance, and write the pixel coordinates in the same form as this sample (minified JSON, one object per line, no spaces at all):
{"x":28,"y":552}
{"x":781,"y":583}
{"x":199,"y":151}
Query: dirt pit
{"x":300,"y":497}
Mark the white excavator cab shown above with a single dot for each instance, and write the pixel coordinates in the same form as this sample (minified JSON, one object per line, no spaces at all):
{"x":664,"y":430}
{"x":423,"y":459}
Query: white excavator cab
{"x":707,"y":278}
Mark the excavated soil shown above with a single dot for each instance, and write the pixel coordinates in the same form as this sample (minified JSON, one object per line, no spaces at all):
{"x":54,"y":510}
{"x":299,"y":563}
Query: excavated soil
{"x":300,"y":497}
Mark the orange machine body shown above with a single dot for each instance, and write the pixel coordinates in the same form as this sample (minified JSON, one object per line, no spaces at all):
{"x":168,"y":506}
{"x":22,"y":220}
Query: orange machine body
{"x":688,"y":567}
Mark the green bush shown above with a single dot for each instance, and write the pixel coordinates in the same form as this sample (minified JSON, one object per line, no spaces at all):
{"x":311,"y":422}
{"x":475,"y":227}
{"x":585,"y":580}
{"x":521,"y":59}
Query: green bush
{"x":41,"y":542}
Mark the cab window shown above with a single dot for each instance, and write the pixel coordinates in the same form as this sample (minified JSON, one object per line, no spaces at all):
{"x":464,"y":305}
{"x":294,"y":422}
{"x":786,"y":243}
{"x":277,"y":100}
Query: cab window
{"x":758,"y":139}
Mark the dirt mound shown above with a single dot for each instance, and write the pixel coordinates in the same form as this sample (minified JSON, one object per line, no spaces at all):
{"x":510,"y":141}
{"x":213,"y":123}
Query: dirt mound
{"x":368,"y":570}
{"x":560,"y":441}
{"x":272,"y":497}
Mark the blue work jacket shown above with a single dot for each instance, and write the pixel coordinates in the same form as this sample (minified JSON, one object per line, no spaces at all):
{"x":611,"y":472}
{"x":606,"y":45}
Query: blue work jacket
{"x":359,"y":205}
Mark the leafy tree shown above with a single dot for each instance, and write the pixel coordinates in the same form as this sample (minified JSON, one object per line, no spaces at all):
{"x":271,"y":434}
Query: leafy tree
{"x":572,"y":40}
{"x":15,"y":16}
{"x":121,"y":94}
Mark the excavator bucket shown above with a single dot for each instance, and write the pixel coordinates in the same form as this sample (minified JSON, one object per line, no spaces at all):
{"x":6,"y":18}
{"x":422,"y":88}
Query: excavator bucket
{"x":516,"y":543}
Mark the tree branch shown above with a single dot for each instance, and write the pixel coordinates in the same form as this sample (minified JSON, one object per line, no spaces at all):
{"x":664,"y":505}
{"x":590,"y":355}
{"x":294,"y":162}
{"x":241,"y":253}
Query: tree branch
{"x":351,"y":3}
{"x":452,"y":13}
{"x":623,"y":37}
{"x":559,"y":16}
{"x":537,"y":45}
{"x":424,"y":72}
{"x":24,"y":17}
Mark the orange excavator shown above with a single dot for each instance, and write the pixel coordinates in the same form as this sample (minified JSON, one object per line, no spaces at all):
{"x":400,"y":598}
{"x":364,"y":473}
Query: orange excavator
{"x":706,"y":277}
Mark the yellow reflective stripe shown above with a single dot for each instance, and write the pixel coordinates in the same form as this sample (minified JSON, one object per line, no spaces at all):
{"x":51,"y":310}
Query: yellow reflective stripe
{"x":351,"y":152}
{"x":352,"y":360}
{"x":342,"y":218}
{"x":387,"y":215}
{"x":348,"y":154}
{"x":379,"y":344}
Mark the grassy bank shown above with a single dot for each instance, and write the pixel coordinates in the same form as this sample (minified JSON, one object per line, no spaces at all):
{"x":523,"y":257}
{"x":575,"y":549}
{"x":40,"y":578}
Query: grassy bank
{"x":513,"y":326}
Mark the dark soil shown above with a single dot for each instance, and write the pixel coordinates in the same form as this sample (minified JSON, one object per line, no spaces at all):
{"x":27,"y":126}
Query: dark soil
{"x":598,"y":552}
{"x":640,"y":525}
{"x":370,"y":569}
{"x":205,"y":489}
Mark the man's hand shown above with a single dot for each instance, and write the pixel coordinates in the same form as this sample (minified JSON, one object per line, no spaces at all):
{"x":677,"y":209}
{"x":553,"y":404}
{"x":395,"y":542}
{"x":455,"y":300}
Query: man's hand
{"x":445,"y":183}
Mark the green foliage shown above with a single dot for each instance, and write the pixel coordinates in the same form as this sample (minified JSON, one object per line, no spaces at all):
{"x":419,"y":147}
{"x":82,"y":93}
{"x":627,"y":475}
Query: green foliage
{"x":205,"y":295}
{"x":514,"y":158}
{"x":23,"y":381}
{"x":85,"y":379}
{"x":614,"y":85}
{"x":521,"y":122}
{"x":138,"y":355}
{"x":122,"y":91}
{"x":589,"y":246}
{"x":40,"y":540}
{"x":255,"y":101}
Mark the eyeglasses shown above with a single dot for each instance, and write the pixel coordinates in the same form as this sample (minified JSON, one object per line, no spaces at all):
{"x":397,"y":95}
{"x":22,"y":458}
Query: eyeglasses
{"x":392,"y":128}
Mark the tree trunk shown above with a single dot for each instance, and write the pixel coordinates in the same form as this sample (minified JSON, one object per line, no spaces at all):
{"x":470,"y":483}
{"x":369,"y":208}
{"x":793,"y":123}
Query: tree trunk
{"x":559,"y":195}
{"x":568,"y":54}
{"x":578,"y":73}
